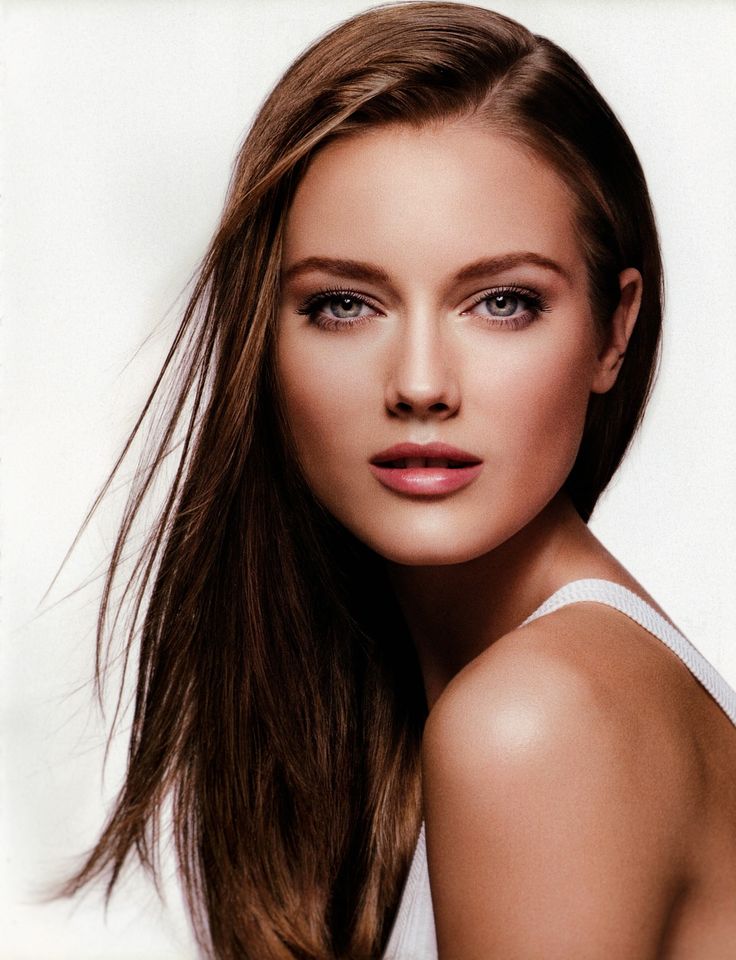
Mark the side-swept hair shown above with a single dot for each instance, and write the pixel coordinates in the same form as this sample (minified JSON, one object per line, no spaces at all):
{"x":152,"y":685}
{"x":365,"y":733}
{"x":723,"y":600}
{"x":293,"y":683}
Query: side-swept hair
{"x":279,"y":706}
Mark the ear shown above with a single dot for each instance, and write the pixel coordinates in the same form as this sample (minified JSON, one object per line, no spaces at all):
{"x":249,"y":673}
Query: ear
{"x":624,"y":317}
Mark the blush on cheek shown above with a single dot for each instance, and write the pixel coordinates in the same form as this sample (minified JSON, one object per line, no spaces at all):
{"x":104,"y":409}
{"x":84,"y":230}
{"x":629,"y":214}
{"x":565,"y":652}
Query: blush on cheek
{"x":558,"y":430}
{"x":315,"y":430}
{"x":541,"y":407}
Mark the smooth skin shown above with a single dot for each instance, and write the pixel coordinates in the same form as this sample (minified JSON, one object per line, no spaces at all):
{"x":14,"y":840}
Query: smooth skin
{"x":578,"y":800}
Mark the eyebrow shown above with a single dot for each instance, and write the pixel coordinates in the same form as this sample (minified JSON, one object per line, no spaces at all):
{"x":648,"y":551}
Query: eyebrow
{"x":370,"y":273}
{"x":507,"y":262}
{"x":354,"y":268}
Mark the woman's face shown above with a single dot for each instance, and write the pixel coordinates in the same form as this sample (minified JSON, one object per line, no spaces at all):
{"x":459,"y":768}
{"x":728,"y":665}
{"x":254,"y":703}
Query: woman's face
{"x":434,"y":293}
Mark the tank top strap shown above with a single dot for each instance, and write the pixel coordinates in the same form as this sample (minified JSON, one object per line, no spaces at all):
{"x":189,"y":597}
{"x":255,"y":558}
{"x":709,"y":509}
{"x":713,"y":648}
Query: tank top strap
{"x":633,"y":606}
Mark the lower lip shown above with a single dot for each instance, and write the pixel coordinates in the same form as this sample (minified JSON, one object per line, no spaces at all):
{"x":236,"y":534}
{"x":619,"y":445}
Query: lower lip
{"x":426,"y":481}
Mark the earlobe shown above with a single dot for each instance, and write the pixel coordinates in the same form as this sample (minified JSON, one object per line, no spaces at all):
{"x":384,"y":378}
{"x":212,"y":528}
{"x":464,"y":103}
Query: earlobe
{"x":611,"y":358}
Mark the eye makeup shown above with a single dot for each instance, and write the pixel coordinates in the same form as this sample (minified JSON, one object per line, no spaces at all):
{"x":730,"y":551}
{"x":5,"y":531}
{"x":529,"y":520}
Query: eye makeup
{"x":509,"y":307}
{"x":340,"y":299}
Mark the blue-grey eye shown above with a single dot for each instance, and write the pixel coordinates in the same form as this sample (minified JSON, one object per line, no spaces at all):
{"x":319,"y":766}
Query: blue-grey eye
{"x":502,"y":304}
{"x":346,"y":308}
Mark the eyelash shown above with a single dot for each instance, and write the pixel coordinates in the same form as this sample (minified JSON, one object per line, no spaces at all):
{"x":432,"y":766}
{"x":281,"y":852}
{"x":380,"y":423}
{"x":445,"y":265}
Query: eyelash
{"x":535,"y":303}
{"x":311,"y":307}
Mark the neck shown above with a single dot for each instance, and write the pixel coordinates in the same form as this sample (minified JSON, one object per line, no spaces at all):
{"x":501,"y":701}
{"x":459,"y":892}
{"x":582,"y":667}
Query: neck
{"x":455,"y":611}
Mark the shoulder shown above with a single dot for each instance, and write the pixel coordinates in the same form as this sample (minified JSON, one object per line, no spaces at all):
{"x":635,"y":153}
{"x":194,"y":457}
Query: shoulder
{"x":541,"y":771}
{"x":585,"y":685}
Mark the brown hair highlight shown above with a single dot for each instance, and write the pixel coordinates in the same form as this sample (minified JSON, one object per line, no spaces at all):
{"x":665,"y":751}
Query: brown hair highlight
{"x":279,"y":706}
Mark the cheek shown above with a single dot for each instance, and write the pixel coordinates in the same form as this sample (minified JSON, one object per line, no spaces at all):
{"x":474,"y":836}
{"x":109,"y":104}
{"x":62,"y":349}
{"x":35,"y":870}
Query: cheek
{"x":533,"y":406}
{"x":540,"y":403}
{"x":322,"y":398}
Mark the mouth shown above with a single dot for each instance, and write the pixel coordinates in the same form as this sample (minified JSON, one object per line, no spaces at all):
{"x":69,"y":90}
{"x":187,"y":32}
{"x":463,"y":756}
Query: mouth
{"x":402,"y":463}
{"x":430,"y":470}
{"x":404,"y":455}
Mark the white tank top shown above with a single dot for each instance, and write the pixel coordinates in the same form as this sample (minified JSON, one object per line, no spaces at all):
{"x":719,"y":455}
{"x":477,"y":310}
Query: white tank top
{"x":413,"y":934}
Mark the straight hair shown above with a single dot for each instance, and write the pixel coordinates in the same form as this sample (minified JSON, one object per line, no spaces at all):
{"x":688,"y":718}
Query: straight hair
{"x":279,"y":705}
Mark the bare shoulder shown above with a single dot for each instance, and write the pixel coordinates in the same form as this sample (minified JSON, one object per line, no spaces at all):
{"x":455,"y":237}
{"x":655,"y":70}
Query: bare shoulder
{"x":556,"y":783}
{"x":584,"y":681}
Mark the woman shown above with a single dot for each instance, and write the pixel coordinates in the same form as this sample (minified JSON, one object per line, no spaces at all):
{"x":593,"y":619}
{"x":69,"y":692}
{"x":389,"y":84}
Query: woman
{"x":419,"y":347}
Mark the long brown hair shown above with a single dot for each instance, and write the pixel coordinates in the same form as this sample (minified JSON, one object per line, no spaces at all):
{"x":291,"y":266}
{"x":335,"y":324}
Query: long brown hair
{"x":279,"y":706}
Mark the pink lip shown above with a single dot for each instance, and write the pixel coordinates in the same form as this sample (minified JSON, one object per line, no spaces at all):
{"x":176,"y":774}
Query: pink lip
{"x":430,"y":479}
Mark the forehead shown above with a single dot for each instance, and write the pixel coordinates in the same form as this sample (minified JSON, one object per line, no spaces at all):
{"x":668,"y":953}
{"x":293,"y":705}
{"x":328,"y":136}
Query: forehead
{"x":429,"y":198}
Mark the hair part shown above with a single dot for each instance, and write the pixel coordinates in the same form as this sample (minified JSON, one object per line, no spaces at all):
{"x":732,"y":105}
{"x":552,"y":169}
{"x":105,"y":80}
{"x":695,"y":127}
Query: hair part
{"x":279,"y":704}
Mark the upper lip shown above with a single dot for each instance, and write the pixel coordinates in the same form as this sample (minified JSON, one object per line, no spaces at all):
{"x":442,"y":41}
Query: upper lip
{"x":434,"y":451}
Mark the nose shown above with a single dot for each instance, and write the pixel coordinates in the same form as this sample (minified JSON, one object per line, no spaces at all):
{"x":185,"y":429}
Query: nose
{"x":422,"y":381}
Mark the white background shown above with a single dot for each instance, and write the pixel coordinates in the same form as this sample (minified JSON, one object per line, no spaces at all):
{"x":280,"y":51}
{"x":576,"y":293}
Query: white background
{"x":121,"y":122}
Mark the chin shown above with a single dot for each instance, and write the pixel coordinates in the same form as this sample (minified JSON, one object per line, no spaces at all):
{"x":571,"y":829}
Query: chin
{"x":440,"y":540}
{"x":429,"y":560}
{"x":414,"y":552}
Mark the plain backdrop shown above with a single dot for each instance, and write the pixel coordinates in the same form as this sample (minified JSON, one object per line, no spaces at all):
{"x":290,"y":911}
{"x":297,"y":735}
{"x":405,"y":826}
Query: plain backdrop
{"x":121,"y":121}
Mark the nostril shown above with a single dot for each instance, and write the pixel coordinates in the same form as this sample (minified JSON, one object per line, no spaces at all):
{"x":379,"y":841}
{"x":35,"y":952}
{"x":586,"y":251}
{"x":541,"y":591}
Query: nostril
{"x":405,"y":406}
{"x":422,"y":401}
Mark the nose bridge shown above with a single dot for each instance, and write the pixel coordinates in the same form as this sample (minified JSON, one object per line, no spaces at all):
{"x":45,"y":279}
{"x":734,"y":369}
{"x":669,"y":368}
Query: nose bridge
{"x":423,"y":378}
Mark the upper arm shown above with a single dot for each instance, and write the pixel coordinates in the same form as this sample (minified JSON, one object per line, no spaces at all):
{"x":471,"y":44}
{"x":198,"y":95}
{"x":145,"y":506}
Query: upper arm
{"x":546,"y":834}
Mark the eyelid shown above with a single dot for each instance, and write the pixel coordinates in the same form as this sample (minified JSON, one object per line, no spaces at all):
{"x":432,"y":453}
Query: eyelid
{"x":535,"y":300}
{"x":309,"y":303}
